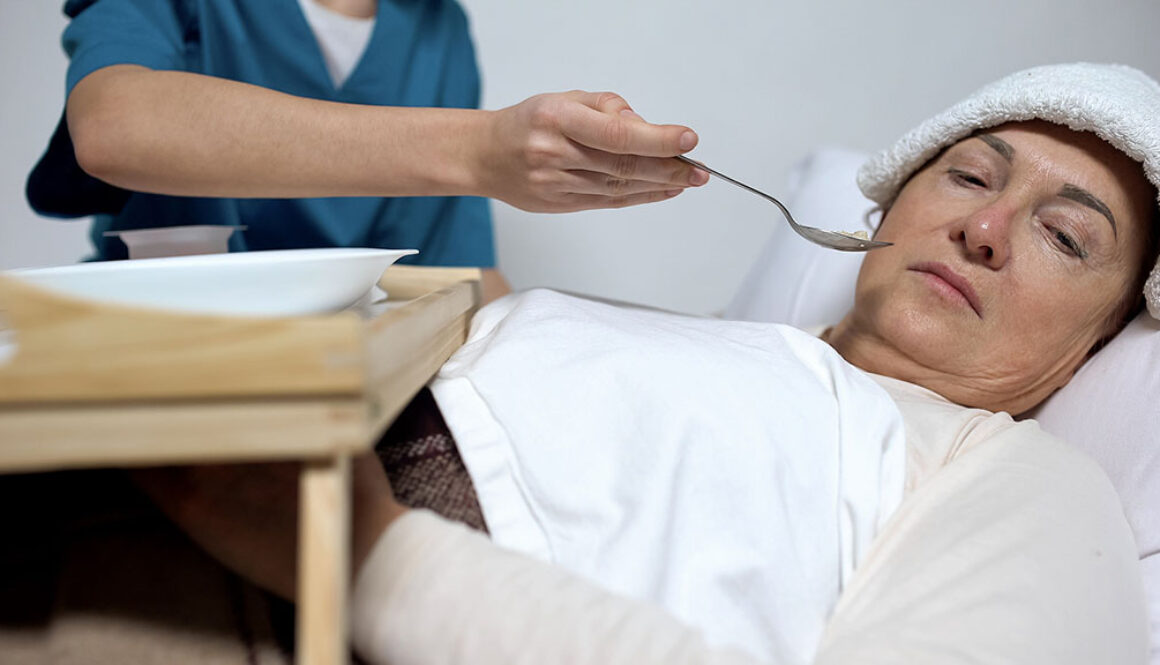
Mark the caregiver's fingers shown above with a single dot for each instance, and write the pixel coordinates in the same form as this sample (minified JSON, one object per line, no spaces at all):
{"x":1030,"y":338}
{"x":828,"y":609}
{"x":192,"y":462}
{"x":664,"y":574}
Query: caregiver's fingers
{"x":597,"y":122}
{"x":605,"y":102}
{"x":660,"y":170}
{"x":603,"y":184}
{"x":595,"y":201}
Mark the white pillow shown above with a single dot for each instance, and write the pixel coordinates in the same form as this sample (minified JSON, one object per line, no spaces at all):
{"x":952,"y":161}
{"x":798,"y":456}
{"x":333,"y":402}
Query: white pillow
{"x":1110,"y":409}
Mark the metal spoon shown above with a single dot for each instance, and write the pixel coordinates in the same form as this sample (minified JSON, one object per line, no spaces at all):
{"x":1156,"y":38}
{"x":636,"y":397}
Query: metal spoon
{"x":831,"y":239}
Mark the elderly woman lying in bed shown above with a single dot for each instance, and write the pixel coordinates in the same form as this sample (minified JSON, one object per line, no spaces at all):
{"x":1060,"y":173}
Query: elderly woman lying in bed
{"x":858,"y":496}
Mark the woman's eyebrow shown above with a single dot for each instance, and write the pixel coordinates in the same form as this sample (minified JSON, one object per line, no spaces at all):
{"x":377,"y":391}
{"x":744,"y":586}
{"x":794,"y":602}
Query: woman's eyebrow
{"x":1080,"y":195}
{"x":999,"y":145}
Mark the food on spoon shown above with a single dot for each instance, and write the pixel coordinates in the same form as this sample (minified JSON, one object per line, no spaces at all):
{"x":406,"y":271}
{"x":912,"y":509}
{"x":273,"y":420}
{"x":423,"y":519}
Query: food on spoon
{"x":857,"y":235}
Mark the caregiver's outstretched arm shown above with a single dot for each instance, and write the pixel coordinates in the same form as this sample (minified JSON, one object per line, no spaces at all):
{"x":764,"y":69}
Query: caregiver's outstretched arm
{"x":186,"y":134}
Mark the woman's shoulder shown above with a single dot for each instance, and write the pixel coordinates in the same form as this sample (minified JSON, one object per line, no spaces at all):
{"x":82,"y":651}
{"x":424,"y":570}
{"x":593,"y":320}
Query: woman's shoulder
{"x":941,"y":433}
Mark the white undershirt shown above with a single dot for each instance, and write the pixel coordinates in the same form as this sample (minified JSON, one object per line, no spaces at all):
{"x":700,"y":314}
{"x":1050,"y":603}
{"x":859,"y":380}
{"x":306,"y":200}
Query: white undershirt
{"x":341,"y":38}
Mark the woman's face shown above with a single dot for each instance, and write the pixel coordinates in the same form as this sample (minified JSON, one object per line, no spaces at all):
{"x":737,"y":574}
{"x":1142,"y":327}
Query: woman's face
{"x":1012,"y":253}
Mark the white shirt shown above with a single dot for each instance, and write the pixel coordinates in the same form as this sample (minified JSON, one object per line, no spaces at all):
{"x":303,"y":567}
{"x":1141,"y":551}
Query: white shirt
{"x":341,"y":38}
{"x":733,"y":473}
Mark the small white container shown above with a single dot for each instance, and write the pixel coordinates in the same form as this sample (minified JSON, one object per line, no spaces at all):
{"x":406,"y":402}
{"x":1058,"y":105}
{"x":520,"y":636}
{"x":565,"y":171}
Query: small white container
{"x":176,"y":240}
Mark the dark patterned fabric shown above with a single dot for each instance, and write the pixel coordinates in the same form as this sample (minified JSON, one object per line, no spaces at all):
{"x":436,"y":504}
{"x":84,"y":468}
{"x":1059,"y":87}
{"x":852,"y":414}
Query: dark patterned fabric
{"x":423,"y":463}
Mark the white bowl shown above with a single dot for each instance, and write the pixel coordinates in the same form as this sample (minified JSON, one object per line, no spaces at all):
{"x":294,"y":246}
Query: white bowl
{"x":176,"y":240}
{"x":288,"y":282}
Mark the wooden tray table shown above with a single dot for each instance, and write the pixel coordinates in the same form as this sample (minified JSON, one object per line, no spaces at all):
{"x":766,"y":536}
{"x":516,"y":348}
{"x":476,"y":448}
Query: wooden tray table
{"x":97,"y":385}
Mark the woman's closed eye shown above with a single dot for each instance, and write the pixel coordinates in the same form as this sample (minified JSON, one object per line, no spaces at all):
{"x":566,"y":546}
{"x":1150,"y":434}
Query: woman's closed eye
{"x":967,"y":178}
{"x":1064,"y":237}
{"x":1068,"y":243}
{"x":1074,"y":230}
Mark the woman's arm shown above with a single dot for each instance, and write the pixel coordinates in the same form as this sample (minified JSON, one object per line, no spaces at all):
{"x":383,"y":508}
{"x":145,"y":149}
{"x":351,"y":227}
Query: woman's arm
{"x":1017,"y":551}
{"x":188,"y":134}
{"x":433,"y":592}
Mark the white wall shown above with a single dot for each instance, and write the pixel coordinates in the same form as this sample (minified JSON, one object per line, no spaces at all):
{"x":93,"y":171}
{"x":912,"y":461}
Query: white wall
{"x":761,"y":81}
{"x":32,"y":85}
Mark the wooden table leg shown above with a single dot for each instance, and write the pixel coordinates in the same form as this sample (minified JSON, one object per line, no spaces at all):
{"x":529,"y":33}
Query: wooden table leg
{"x":323,"y":561}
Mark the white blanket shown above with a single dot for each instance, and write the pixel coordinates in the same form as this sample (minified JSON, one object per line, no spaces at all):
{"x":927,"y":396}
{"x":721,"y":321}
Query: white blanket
{"x":734,"y":473}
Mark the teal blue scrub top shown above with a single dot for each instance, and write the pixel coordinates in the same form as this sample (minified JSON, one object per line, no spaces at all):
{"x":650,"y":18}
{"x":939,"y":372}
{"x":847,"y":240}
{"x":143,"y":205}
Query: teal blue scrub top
{"x":420,"y":54}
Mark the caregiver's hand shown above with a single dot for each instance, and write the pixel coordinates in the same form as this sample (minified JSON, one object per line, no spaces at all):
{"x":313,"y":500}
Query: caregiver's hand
{"x":246,"y":515}
{"x":580,"y":150}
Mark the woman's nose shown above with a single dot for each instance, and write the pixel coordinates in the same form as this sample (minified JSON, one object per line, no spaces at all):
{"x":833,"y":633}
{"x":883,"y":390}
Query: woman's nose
{"x":986,"y":234}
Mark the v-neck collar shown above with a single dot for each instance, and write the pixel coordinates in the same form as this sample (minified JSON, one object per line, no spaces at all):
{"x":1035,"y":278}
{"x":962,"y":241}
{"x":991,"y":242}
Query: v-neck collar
{"x":319,"y":59}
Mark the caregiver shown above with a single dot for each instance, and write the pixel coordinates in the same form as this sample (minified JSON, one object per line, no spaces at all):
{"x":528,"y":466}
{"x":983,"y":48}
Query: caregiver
{"x":259,"y":114}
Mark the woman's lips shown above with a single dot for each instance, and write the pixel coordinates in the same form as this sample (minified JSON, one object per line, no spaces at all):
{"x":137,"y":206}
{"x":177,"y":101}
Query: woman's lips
{"x":957,"y":283}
